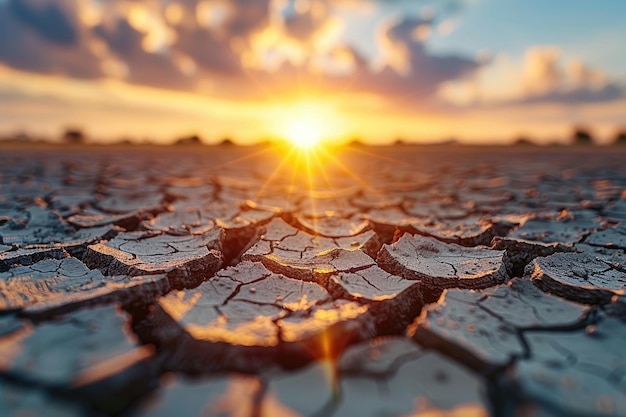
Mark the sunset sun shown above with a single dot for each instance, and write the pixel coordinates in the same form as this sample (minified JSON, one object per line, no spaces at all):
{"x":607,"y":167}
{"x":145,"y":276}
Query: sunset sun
{"x":306,"y":125}
{"x":304,"y":133}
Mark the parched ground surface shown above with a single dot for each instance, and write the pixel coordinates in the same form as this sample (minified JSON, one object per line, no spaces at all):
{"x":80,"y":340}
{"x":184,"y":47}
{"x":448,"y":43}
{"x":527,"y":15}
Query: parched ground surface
{"x":405,"y":281}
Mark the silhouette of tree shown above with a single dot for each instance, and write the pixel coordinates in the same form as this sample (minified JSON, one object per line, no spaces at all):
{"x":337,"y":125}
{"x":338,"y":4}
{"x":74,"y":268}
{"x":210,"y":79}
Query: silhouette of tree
{"x":620,"y":138}
{"x":226,"y":142}
{"x":190,"y":140}
{"x":524,"y":141}
{"x":125,"y":142}
{"x":74,"y":136}
{"x":582,"y":136}
{"x":356,"y":142}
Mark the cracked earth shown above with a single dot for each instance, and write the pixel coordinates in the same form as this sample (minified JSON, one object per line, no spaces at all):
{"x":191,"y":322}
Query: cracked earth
{"x":417,"y":283}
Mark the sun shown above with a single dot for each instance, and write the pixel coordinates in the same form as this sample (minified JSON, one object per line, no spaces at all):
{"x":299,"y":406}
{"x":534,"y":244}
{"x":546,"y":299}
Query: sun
{"x":304,"y":132}
{"x":307,"y":125}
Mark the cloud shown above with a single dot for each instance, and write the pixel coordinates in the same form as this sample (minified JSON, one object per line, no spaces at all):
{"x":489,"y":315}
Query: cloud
{"x":407,"y":67}
{"x":43,"y":36}
{"x":207,"y":51}
{"x":542,"y":70}
{"x":547,"y":79}
{"x":407,"y":76}
{"x":127,"y":45}
{"x":241,"y":48}
{"x":426,"y":67}
{"x":172,"y":45}
{"x":302,"y":19}
{"x":49,"y":20}
{"x":578,"y":95}
{"x":407,"y":73}
{"x":543,"y":77}
{"x":246,"y":17}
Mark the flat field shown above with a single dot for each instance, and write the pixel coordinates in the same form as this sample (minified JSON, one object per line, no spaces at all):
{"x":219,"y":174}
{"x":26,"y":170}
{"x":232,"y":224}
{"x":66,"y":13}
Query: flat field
{"x":266,"y":282}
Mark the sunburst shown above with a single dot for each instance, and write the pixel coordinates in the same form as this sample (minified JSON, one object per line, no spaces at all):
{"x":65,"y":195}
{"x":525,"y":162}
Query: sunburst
{"x":304,"y":133}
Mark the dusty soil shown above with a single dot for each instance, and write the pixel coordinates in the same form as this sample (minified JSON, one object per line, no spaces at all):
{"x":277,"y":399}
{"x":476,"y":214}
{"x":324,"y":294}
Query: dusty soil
{"x":399,"y":281}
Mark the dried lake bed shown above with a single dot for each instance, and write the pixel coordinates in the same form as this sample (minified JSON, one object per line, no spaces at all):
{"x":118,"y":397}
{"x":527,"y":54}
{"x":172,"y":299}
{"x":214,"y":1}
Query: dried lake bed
{"x":391,"y":281}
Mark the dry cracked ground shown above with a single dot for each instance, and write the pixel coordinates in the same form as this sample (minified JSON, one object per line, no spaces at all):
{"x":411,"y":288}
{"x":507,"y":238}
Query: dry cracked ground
{"x":418,"y":282}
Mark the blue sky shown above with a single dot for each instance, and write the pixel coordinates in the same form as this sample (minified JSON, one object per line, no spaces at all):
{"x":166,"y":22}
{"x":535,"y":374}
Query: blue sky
{"x":591,"y":30}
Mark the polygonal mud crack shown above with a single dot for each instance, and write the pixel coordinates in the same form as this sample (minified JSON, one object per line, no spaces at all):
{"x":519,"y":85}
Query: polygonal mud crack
{"x":232,"y":318}
{"x":12,"y":257}
{"x":440,"y":265}
{"x":613,"y":238}
{"x":578,"y":277}
{"x":576,"y":373}
{"x":470,"y":231}
{"x":86,"y":354}
{"x":521,"y":252}
{"x":483,"y":330}
{"x":239,"y":225}
{"x":613,"y":257}
{"x":289,"y":251}
{"x":246,"y":315}
{"x":392,"y":300}
{"x":184,"y":222}
{"x":51,"y":286}
{"x":568,"y":228}
{"x":125,"y":201}
{"x":44,"y":230}
{"x":232,"y":395}
{"x":369,"y":284}
{"x":187,"y":260}
{"x":314,"y":303}
{"x":332,"y":226}
{"x":40,"y":226}
{"x":285,"y":241}
{"x":91,"y":218}
{"x":391,"y":377}
{"x":458,"y":327}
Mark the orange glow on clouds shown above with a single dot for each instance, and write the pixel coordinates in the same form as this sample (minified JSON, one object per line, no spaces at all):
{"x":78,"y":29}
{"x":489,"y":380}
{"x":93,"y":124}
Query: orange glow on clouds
{"x":113,"y":110}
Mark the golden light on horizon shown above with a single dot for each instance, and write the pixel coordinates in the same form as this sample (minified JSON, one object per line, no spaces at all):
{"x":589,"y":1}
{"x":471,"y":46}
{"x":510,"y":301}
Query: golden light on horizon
{"x":304,"y":133}
{"x":306,"y":125}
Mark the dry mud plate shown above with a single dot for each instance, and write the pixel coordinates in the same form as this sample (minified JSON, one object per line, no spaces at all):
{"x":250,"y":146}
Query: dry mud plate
{"x":409,"y":282}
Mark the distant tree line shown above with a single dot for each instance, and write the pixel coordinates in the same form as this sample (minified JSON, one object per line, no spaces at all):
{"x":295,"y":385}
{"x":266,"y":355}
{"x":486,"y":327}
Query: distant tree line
{"x":580,"y":136}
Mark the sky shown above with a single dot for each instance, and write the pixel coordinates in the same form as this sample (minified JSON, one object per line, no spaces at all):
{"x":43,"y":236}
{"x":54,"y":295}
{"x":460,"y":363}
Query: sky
{"x":479,"y":71}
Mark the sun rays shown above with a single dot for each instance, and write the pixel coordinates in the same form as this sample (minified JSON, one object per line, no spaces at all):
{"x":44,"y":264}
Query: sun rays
{"x":311,"y":171}
{"x":317,"y":179}
{"x":317,"y":176}
{"x":307,"y":123}
{"x":304,"y":133}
